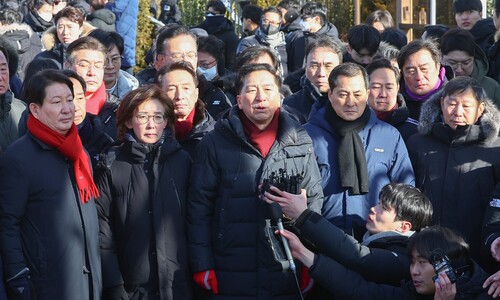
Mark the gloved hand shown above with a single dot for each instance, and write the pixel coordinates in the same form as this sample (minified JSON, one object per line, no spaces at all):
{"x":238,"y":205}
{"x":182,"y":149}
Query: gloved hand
{"x":306,"y":282}
{"x":116,"y":293}
{"x":207,"y":280}
{"x":19,"y":287}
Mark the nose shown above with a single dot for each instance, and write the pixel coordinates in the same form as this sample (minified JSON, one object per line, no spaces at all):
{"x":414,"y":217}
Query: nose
{"x":459,"y":110}
{"x":419,"y":75}
{"x":414,"y":269}
{"x":321,"y":71}
{"x":372,"y":210}
{"x":261,"y":95}
{"x":383,"y":92}
{"x":109,"y":63}
{"x":178,"y":93}
{"x":67,"y":107}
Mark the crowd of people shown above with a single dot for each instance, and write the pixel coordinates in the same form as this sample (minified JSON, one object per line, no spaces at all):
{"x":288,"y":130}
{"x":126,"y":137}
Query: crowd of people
{"x":381,"y":156}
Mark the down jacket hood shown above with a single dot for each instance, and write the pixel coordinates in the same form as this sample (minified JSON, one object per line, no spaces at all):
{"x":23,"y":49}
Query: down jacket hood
{"x":430,"y":114}
{"x":13,"y":58}
{"x":49,"y":37}
{"x":20,"y":33}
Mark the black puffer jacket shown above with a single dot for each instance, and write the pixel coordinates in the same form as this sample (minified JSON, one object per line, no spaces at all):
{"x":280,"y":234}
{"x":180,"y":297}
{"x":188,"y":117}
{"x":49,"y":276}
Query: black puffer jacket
{"x":301,"y":102}
{"x":203,"y":124}
{"x":347,"y":284}
{"x":400,"y":118}
{"x":382,"y":259}
{"x":459,"y":170}
{"x":483,"y":32}
{"x":141,"y":218}
{"x":57,"y":54}
{"x":226,"y":218}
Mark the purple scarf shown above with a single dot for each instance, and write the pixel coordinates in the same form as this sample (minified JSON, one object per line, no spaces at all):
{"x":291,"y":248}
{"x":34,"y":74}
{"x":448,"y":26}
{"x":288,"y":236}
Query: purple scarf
{"x":422,"y":98}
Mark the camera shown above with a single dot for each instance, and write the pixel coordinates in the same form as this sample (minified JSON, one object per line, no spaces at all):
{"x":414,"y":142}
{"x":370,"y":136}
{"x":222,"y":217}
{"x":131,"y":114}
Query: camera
{"x":441,"y":263}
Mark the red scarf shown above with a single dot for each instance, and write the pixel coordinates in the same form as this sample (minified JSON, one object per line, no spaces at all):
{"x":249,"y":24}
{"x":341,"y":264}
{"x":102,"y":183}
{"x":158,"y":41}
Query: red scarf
{"x":96,"y":100}
{"x":71,"y":147}
{"x":261,"y":139}
{"x":384,"y":115}
{"x":183,"y":128}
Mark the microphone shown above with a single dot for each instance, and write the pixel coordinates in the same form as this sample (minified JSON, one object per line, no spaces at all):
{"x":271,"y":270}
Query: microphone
{"x":277,"y":213}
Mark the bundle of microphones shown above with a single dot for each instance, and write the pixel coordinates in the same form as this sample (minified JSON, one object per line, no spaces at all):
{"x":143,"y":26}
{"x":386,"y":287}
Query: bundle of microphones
{"x":290,"y":183}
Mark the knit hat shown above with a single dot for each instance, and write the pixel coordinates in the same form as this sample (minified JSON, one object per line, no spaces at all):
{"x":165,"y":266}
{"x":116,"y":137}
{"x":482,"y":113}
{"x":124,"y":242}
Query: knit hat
{"x":463,"y":5}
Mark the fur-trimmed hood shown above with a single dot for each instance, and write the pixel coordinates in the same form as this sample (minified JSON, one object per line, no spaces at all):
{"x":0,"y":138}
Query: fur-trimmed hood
{"x":489,"y":123}
{"x":15,"y":27}
{"x":49,"y":36}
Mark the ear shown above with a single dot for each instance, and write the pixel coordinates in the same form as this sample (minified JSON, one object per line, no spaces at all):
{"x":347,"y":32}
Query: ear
{"x":348,"y":49}
{"x":34,"y":109}
{"x":128,"y":124}
{"x":480,"y":109}
{"x":404,"y":226}
{"x":67,"y":65}
{"x":238,"y":101}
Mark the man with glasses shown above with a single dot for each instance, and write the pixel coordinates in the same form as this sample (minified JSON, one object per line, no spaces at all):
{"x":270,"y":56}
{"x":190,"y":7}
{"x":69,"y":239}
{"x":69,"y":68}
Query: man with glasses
{"x":467,"y":59}
{"x":314,"y":24}
{"x":269,"y":35}
{"x":178,"y":43}
{"x":192,"y":122}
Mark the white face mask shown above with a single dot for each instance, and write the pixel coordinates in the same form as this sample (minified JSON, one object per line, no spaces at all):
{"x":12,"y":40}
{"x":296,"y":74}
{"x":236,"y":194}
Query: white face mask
{"x":46,"y":16}
{"x":209,"y":73}
{"x":304,"y":25}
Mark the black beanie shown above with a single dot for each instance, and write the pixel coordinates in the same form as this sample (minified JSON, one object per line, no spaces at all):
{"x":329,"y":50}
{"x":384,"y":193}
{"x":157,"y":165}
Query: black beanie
{"x":463,"y":5}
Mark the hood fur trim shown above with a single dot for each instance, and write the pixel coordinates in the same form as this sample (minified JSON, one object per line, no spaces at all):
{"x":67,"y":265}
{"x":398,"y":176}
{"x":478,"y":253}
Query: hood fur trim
{"x":431,"y":113}
{"x":15,"y":27}
{"x":49,"y":36}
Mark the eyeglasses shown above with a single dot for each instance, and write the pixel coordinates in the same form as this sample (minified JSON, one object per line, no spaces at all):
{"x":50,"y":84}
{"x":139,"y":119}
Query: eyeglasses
{"x":143,"y":118}
{"x":463,"y":64}
{"x":207,"y":65}
{"x":183,"y":55}
{"x":115,"y":60}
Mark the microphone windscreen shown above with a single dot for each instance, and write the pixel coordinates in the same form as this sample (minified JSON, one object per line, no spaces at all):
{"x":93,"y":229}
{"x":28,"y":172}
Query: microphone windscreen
{"x":276,"y":211}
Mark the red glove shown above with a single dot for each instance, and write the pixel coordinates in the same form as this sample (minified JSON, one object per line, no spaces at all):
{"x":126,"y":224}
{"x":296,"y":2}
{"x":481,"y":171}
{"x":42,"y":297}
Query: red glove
{"x":306,"y":282}
{"x":207,"y":280}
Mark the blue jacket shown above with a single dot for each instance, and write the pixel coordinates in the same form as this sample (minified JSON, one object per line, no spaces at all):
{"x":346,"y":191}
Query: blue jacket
{"x":126,"y":12}
{"x":387,"y":161}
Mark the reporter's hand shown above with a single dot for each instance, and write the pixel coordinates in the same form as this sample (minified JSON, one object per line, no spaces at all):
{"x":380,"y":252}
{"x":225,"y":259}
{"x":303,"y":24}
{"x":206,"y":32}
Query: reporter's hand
{"x":19,"y":288}
{"x":299,"y":251}
{"x":495,"y":249}
{"x":494,"y":285}
{"x":445,"y":290}
{"x":207,"y":280}
{"x":291,"y":204}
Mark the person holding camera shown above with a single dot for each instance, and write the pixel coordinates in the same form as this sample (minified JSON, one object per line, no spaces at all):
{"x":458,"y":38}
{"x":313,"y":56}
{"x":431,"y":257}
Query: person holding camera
{"x":441,"y":268}
{"x":226,"y":220}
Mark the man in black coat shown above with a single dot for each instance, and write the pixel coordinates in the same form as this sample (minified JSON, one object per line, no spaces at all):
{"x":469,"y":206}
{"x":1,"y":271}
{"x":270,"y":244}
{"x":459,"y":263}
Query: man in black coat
{"x":226,"y":219}
{"x":192,"y":122}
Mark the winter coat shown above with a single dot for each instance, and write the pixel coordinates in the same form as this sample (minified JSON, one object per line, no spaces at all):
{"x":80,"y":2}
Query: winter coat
{"x":36,"y":23}
{"x":347,"y":284}
{"x":399,"y":118}
{"x":141,"y":218}
{"x":11,"y":110}
{"x":103,"y":18}
{"x":44,"y":226}
{"x":301,"y":102}
{"x":279,"y":51}
{"x":126,"y":12}
{"x":107,"y":117}
{"x":224,"y":30}
{"x":483,"y":32}
{"x":459,"y":170}
{"x":27,"y":43}
{"x":125,"y":83}
{"x":226,"y":218}
{"x":382,"y":259}
{"x":93,"y":137}
{"x":387,"y":161}
{"x":203,"y":124}
{"x":57,"y":54}
{"x":298,"y":41}
{"x":479,"y":72}
{"x":494,"y":58}
{"x":415,"y":105}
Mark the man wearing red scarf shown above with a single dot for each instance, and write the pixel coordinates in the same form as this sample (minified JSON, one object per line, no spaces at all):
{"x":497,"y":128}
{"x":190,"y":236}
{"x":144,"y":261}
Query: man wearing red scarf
{"x":87,"y":57}
{"x":192,"y":120}
{"x":230,"y":254}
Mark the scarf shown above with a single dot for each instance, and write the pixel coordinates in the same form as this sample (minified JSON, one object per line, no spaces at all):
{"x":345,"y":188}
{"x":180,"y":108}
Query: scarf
{"x":351,"y":154}
{"x":422,"y":98}
{"x":385,"y":115}
{"x":263,"y":140}
{"x":96,"y":100}
{"x":183,"y":128}
{"x":273,"y":40}
{"x":71,"y":147}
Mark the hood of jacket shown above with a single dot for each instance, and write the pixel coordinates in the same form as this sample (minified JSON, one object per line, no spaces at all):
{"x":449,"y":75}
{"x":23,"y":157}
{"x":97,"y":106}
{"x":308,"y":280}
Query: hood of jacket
{"x":13,"y":59}
{"x":202,"y":123}
{"x":103,"y":19}
{"x":295,"y":25}
{"x":49,"y":37}
{"x":483,"y":29}
{"x":19,"y":35}
{"x":430,"y":114}
{"x":481,"y":64}
{"x":327,"y":30}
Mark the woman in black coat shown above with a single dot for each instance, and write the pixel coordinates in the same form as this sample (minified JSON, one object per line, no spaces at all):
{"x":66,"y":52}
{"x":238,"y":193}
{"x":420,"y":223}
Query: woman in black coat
{"x":143,"y":182}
